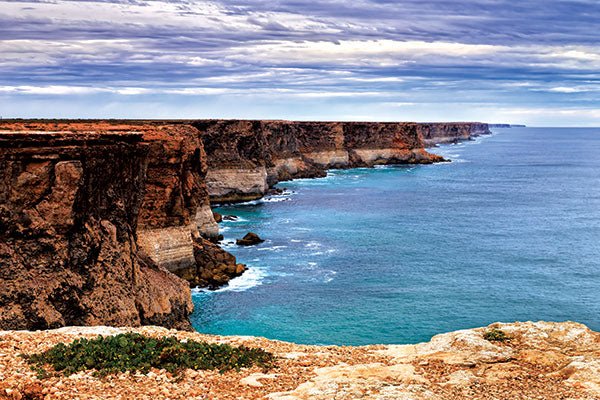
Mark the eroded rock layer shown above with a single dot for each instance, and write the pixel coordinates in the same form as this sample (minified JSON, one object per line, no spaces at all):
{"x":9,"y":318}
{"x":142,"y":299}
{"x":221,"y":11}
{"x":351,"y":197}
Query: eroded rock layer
{"x":69,"y":205}
{"x":96,"y":219}
{"x":443,"y":132}
{"x":246,"y":157}
{"x":97,"y":216}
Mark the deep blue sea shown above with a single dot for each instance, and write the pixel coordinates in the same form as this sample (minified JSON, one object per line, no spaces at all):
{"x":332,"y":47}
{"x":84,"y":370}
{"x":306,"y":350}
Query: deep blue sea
{"x":510,"y":230}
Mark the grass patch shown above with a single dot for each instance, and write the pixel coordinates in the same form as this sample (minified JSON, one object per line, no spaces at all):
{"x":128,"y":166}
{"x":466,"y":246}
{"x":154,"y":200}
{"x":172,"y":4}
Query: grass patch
{"x":134,"y":352}
{"x":495,"y":335}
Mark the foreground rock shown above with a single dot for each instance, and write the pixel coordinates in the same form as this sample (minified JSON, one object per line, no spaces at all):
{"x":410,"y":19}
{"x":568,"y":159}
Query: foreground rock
{"x":541,"y":361}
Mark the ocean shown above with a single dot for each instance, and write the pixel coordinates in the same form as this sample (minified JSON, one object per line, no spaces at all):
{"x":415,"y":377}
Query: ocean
{"x":508,"y":231}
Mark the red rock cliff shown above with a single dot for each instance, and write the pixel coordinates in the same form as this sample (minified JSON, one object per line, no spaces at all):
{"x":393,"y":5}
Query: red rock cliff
{"x":96,"y":218}
{"x":246,"y":157}
{"x":69,"y":206}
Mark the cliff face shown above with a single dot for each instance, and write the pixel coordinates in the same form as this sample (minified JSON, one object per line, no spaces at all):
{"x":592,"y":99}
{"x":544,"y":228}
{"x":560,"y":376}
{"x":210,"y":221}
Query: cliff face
{"x":246,"y":157}
{"x":438,"y":133}
{"x":97,"y":216}
{"x":69,"y":205}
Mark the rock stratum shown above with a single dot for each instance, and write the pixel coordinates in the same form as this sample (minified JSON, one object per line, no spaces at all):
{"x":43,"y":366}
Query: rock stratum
{"x":542,"y":360}
{"x":246,"y":158}
{"x":103,"y":222}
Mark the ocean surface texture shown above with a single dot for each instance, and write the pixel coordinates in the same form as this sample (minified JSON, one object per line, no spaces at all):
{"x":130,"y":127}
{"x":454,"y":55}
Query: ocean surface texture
{"x":510,"y":230}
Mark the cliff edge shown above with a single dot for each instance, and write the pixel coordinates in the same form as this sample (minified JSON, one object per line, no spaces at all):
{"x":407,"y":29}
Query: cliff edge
{"x":69,"y":206}
{"x":245,"y":158}
{"x":99,"y":218}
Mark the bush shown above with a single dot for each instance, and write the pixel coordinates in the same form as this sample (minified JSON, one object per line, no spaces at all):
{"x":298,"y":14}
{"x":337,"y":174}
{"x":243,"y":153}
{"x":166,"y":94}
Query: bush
{"x":135,"y":352}
{"x":495,"y":335}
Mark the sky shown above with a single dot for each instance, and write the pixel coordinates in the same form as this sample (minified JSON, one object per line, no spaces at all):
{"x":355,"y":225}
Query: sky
{"x":530,"y":61}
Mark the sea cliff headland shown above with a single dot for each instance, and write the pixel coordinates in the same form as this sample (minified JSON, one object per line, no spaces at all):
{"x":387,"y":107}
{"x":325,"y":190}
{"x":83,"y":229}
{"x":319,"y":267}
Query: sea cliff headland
{"x":109,"y":223}
{"x":105,"y":221}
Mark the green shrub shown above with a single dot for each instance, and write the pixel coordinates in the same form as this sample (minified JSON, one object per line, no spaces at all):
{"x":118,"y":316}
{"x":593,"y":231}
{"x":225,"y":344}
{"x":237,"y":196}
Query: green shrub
{"x":495,"y":335}
{"x":135,"y":352}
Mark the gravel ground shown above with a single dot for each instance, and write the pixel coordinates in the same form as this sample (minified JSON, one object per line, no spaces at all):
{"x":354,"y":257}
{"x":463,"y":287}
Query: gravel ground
{"x":541,"y":361}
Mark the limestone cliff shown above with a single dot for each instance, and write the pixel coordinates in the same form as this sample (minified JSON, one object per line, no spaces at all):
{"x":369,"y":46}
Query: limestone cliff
{"x":69,"y":205}
{"x":442,"y":132}
{"x":96,"y":216}
{"x":540,"y":360}
{"x":245,"y":158}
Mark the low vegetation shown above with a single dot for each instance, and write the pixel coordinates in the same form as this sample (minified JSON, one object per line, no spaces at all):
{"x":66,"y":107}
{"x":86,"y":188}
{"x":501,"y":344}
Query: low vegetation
{"x":134,"y":352}
{"x":495,"y":335}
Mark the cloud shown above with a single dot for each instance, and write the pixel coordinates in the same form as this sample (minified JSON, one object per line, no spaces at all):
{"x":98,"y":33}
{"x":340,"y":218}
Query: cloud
{"x":366,"y":54}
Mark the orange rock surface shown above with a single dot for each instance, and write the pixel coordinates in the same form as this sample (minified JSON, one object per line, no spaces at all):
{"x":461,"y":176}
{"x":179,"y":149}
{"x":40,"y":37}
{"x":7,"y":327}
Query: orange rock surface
{"x":541,"y":360}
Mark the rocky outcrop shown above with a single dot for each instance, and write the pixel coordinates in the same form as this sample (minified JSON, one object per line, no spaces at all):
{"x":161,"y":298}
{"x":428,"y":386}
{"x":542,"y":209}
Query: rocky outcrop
{"x":97,"y":217}
{"x":442,"y":132}
{"x":542,"y":360}
{"x":69,"y":210}
{"x":250,"y":239}
{"x":245,"y":158}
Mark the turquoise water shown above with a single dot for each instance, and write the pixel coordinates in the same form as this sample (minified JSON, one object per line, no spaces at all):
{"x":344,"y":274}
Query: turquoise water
{"x":508,"y":231}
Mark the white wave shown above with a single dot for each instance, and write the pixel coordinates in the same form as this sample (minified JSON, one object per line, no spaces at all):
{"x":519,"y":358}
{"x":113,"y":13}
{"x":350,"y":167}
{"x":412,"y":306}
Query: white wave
{"x":275,"y":199}
{"x":313,"y":245}
{"x":299,"y":228}
{"x":250,"y":203}
{"x":296,"y":241}
{"x":272,"y":248}
{"x":324,"y":276}
{"x":252,"y":277}
{"x":236,"y":220}
{"x":329,"y":277}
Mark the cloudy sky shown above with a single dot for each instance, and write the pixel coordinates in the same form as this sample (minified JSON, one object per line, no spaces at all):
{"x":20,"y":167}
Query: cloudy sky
{"x":529,"y":61}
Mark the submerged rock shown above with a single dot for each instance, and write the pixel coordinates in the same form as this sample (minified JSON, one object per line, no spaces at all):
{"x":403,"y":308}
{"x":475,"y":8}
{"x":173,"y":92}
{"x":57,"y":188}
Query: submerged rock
{"x":249,"y":239}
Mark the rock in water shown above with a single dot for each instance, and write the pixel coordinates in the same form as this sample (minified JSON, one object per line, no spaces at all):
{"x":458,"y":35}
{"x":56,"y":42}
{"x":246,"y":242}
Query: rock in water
{"x":218,"y":217}
{"x":250,"y":239}
{"x":214,"y":266}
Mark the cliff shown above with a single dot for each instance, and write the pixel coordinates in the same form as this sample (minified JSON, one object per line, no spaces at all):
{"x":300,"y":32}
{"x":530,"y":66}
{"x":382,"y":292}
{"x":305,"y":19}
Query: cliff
{"x":98,"y":216}
{"x":245,"y":158}
{"x":442,"y":132}
{"x":69,"y":205}
{"x":541,"y":360}
{"x":96,"y":219}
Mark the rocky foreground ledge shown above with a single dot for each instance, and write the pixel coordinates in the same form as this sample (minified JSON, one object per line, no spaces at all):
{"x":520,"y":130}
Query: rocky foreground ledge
{"x":542,"y":360}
